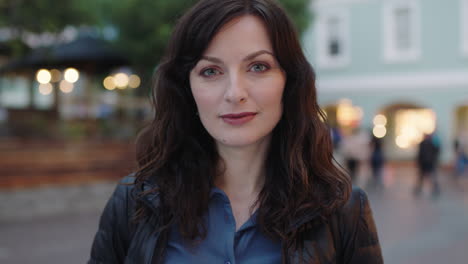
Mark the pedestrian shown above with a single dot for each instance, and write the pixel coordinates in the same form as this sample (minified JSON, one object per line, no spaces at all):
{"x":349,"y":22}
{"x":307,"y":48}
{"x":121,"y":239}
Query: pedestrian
{"x":355,"y":151}
{"x":427,"y":161}
{"x":377,"y":161}
{"x":236,"y":165}
{"x":336,"y":136}
{"x":461,"y":154}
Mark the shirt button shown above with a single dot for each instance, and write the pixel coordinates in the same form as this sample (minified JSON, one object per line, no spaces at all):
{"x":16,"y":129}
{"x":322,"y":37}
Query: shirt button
{"x":227,"y":262}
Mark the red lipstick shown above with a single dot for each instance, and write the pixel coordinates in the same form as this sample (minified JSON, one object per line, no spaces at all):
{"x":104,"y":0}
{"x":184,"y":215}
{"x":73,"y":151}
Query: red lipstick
{"x":238,"y":118}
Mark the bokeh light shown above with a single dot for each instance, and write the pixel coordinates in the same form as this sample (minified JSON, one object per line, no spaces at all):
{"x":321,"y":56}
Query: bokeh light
{"x":347,"y":114}
{"x":109,"y":83}
{"x":379,"y":131}
{"x":121,"y":80}
{"x":412,"y":124}
{"x":402,"y":142}
{"x":43,"y":76}
{"x":66,"y":87}
{"x":56,"y":75}
{"x":380,"y":120}
{"x":45,"y":88}
{"x":134,"y":81}
{"x":71,"y":75}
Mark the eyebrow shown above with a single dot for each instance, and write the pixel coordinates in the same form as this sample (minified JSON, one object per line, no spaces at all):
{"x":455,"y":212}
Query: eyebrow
{"x":248,"y":57}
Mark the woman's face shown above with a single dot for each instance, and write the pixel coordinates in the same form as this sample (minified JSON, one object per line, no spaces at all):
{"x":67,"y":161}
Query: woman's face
{"x":238,"y":84}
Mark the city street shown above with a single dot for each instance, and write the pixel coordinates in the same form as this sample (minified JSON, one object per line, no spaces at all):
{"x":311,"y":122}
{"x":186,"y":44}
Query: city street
{"x":412,"y":230}
{"x":91,"y":91}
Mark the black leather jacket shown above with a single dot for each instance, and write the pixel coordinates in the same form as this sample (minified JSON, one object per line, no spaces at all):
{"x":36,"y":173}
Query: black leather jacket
{"x":349,"y":236}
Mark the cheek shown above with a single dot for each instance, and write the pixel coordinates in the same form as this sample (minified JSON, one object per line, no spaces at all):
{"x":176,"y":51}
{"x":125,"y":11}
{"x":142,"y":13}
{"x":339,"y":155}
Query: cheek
{"x":272,"y":95}
{"x":198,"y":93}
{"x":207,"y":95}
{"x":206,"y":104}
{"x":203,"y":94}
{"x":276,"y":100}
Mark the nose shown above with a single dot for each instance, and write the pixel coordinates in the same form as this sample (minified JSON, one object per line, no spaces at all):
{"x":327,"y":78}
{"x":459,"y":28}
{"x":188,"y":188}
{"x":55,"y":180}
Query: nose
{"x":237,"y":89}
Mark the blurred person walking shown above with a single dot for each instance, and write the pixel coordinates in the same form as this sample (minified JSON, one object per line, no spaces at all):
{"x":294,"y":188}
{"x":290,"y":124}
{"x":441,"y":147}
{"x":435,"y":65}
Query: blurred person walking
{"x":427,"y":161}
{"x":377,"y":161}
{"x":337,"y":138}
{"x":461,"y":155}
{"x":355,"y":150}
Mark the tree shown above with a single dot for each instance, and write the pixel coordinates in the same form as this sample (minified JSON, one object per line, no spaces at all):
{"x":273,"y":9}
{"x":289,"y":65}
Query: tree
{"x":299,"y":12}
{"x":39,"y":16}
{"x":144,"y":26}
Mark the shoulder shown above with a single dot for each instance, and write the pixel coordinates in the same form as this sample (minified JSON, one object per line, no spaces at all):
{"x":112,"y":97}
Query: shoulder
{"x":356,"y":209}
{"x":121,"y":197}
{"x":128,"y":192}
{"x":120,"y":204}
{"x":124,"y":186}
{"x":356,"y":203}
{"x":358,"y":234}
{"x":115,"y":228}
{"x":347,"y":217}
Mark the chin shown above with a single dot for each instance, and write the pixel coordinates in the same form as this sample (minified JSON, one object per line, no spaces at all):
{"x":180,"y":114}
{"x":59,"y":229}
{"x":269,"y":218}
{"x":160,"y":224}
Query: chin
{"x":240,"y":140}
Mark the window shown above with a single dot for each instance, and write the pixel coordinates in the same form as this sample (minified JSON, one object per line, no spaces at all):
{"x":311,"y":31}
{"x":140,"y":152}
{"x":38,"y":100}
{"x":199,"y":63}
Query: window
{"x":40,"y":99}
{"x":14,"y":92}
{"x":464,"y":27}
{"x":401,"y":30}
{"x":333,"y":39}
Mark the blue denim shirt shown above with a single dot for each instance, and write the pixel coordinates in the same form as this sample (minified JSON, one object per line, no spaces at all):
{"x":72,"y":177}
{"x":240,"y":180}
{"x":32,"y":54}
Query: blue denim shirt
{"x":223,"y":244}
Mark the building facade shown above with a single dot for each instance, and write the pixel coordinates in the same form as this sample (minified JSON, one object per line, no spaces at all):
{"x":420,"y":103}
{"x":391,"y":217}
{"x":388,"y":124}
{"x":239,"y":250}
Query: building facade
{"x":398,"y":68}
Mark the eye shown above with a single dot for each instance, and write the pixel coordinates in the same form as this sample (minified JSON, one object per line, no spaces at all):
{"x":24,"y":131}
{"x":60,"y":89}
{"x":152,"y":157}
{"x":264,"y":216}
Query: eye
{"x":210,"y":72}
{"x":259,"y":67}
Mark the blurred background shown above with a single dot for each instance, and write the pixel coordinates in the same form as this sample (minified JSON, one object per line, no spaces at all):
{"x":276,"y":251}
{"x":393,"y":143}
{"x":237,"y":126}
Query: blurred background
{"x":392,"y":80}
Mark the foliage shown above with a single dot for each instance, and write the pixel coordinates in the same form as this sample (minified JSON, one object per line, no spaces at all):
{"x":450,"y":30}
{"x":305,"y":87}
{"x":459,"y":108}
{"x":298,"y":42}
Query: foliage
{"x":40,"y":16}
{"x":299,"y":12}
{"x":143,"y":26}
{"x":46,"y":15}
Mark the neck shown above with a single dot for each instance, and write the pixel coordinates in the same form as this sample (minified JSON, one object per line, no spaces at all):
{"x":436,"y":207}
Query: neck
{"x":244,"y":170}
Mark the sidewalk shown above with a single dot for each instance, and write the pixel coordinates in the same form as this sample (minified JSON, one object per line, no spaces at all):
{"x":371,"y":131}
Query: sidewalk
{"x":421,"y":229}
{"x":412,"y":230}
{"x":49,"y":201}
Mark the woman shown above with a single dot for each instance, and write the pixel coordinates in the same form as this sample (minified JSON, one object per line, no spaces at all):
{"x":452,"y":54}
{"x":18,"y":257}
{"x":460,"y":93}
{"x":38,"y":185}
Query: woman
{"x":236,"y":166}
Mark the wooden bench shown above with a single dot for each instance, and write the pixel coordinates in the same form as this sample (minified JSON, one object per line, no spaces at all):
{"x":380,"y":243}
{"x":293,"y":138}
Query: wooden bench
{"x":34,"y":163}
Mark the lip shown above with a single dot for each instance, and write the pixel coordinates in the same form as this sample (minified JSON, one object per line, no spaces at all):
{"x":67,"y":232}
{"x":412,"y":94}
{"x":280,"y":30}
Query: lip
{"x":237,"y":119}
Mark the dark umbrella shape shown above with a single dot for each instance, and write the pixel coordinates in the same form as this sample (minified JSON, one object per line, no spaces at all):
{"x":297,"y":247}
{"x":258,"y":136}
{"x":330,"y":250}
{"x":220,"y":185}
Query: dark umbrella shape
{"x":86,"y":53}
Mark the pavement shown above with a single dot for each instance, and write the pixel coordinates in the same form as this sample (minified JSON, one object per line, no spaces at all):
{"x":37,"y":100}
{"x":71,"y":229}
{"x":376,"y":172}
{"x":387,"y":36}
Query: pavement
{"x":38,"y":227}
{"x":421,"y":229}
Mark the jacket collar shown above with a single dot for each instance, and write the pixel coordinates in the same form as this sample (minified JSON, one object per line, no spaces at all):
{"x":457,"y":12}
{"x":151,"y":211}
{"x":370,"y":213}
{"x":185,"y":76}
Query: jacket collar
{"x":153,"y":201}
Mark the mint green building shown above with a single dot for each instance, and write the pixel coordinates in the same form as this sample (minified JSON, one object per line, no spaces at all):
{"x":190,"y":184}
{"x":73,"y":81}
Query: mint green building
{"x":405,"y":61}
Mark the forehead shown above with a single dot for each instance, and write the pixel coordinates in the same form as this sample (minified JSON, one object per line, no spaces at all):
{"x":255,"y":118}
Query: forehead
{"x":245,"y":33}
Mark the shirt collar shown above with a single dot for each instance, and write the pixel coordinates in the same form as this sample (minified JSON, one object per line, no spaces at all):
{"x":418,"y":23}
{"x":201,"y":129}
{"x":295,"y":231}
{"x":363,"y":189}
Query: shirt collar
{"x":217,"y":192}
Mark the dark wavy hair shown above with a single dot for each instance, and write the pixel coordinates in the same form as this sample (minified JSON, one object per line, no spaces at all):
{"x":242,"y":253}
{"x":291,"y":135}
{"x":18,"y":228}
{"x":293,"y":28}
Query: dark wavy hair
{"x":178,"y":155}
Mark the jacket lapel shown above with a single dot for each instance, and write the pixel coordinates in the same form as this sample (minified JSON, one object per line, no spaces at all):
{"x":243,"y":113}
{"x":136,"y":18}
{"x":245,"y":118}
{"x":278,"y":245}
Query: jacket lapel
{"x":143,"y":244}
{"x":145,"y":238}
